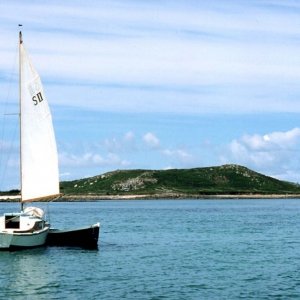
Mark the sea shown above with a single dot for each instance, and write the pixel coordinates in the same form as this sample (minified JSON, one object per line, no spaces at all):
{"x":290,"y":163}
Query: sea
{"x":164,"y":249}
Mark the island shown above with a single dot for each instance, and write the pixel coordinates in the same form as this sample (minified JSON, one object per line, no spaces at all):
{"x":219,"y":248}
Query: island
{"x":218,"y":182}
{"x":224,"y":182}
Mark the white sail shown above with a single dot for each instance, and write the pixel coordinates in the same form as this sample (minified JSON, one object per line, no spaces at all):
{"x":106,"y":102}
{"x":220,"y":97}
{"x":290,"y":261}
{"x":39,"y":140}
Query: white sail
{"x":39,"y":162}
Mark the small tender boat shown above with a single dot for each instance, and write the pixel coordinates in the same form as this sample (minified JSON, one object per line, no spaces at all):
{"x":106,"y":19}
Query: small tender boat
{"x":86,"y":237}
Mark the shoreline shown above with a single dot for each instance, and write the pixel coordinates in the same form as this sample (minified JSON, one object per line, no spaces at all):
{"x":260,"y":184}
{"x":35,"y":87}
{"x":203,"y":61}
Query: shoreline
{"x":70,"y":198}
{"x":82,"y":198}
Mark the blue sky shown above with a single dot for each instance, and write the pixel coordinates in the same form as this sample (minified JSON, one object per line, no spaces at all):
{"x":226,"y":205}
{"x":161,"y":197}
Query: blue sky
{"x":159,"y":84}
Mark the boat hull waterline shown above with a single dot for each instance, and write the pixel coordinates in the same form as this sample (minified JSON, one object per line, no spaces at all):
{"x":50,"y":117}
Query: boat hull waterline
{"x":23,"y":240}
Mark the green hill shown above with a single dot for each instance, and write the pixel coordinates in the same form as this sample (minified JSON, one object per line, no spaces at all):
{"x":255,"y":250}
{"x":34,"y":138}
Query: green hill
{"x":226,"y":179}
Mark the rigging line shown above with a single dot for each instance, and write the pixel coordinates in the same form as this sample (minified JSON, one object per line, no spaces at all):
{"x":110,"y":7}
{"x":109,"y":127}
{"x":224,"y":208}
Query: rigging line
{"x":3,"y":125}
{"x":10,"y":151}
{"x":48,"y":216}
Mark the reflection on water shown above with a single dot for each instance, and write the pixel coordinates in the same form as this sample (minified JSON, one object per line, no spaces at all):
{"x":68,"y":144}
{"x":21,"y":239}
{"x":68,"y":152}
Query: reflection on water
{"x":27,"y":274}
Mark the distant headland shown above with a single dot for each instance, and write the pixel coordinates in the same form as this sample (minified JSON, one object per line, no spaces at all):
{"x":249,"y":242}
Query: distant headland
{"x":220,"y":182}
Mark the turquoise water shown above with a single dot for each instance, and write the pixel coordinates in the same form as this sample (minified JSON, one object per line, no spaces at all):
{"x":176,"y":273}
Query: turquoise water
{"x":165,"y":249}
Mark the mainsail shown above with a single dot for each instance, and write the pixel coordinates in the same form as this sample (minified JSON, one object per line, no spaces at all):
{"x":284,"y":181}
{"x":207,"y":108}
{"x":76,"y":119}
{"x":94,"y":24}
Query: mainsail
{"x":39,"y":162}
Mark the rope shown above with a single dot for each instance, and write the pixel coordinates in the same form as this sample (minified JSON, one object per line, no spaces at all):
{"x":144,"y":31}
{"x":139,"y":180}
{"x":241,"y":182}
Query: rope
{"x":3,"y":127}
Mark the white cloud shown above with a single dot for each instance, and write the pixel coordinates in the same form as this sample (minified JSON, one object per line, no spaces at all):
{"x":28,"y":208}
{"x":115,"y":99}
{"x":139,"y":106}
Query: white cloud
{"x":65,"y":174}
{"x":180,"y":157}
{"x":151,"y":140}
{"x":182,"y":57}
{"x":89,"y":159}
{"x":274,"y":153}
{"x":178,"y":153}
{"x":117,"y":145}
{"x":274,"y":140}
{"x":129,"y":136}
{"x":186,"y":57}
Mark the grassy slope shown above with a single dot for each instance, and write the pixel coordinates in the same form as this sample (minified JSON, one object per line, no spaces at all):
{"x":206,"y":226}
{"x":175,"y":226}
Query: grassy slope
{"x":227,"y":179}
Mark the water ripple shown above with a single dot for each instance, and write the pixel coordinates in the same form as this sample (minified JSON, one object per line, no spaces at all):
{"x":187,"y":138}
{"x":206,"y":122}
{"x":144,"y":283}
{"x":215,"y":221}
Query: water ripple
{"x":165,"y":250}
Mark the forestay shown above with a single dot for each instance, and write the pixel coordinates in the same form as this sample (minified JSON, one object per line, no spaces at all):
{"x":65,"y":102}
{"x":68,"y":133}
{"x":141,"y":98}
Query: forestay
{"x":39,"y":163}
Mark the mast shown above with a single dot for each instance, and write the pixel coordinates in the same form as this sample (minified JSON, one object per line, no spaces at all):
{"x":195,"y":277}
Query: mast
{"x":39,"y":175}
{"x":20,"y":115}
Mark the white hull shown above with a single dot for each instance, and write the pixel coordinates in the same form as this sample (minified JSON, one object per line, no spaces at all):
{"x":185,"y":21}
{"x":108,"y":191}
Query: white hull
{"x":21,"y":240}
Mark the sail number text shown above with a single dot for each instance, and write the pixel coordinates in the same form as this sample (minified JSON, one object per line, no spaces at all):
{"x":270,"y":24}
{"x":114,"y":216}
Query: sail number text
{"x":37,"y":98}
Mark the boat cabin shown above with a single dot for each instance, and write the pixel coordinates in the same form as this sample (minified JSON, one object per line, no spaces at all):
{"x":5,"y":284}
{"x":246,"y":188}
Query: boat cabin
{"x":20,"y":222}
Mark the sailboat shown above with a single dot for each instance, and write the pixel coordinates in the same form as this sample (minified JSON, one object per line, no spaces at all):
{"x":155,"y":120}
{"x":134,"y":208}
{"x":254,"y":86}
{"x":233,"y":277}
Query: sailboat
{"x":39,"y":174}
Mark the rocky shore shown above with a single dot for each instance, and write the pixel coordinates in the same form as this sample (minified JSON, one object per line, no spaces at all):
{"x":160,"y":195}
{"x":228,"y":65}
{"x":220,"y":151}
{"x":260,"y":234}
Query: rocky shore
{"x":75,"y":198}
{"x":175,"y":196}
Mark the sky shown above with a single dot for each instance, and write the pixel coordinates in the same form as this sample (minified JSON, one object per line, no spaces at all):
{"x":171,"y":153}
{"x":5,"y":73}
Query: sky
{"x":158,"y":84}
